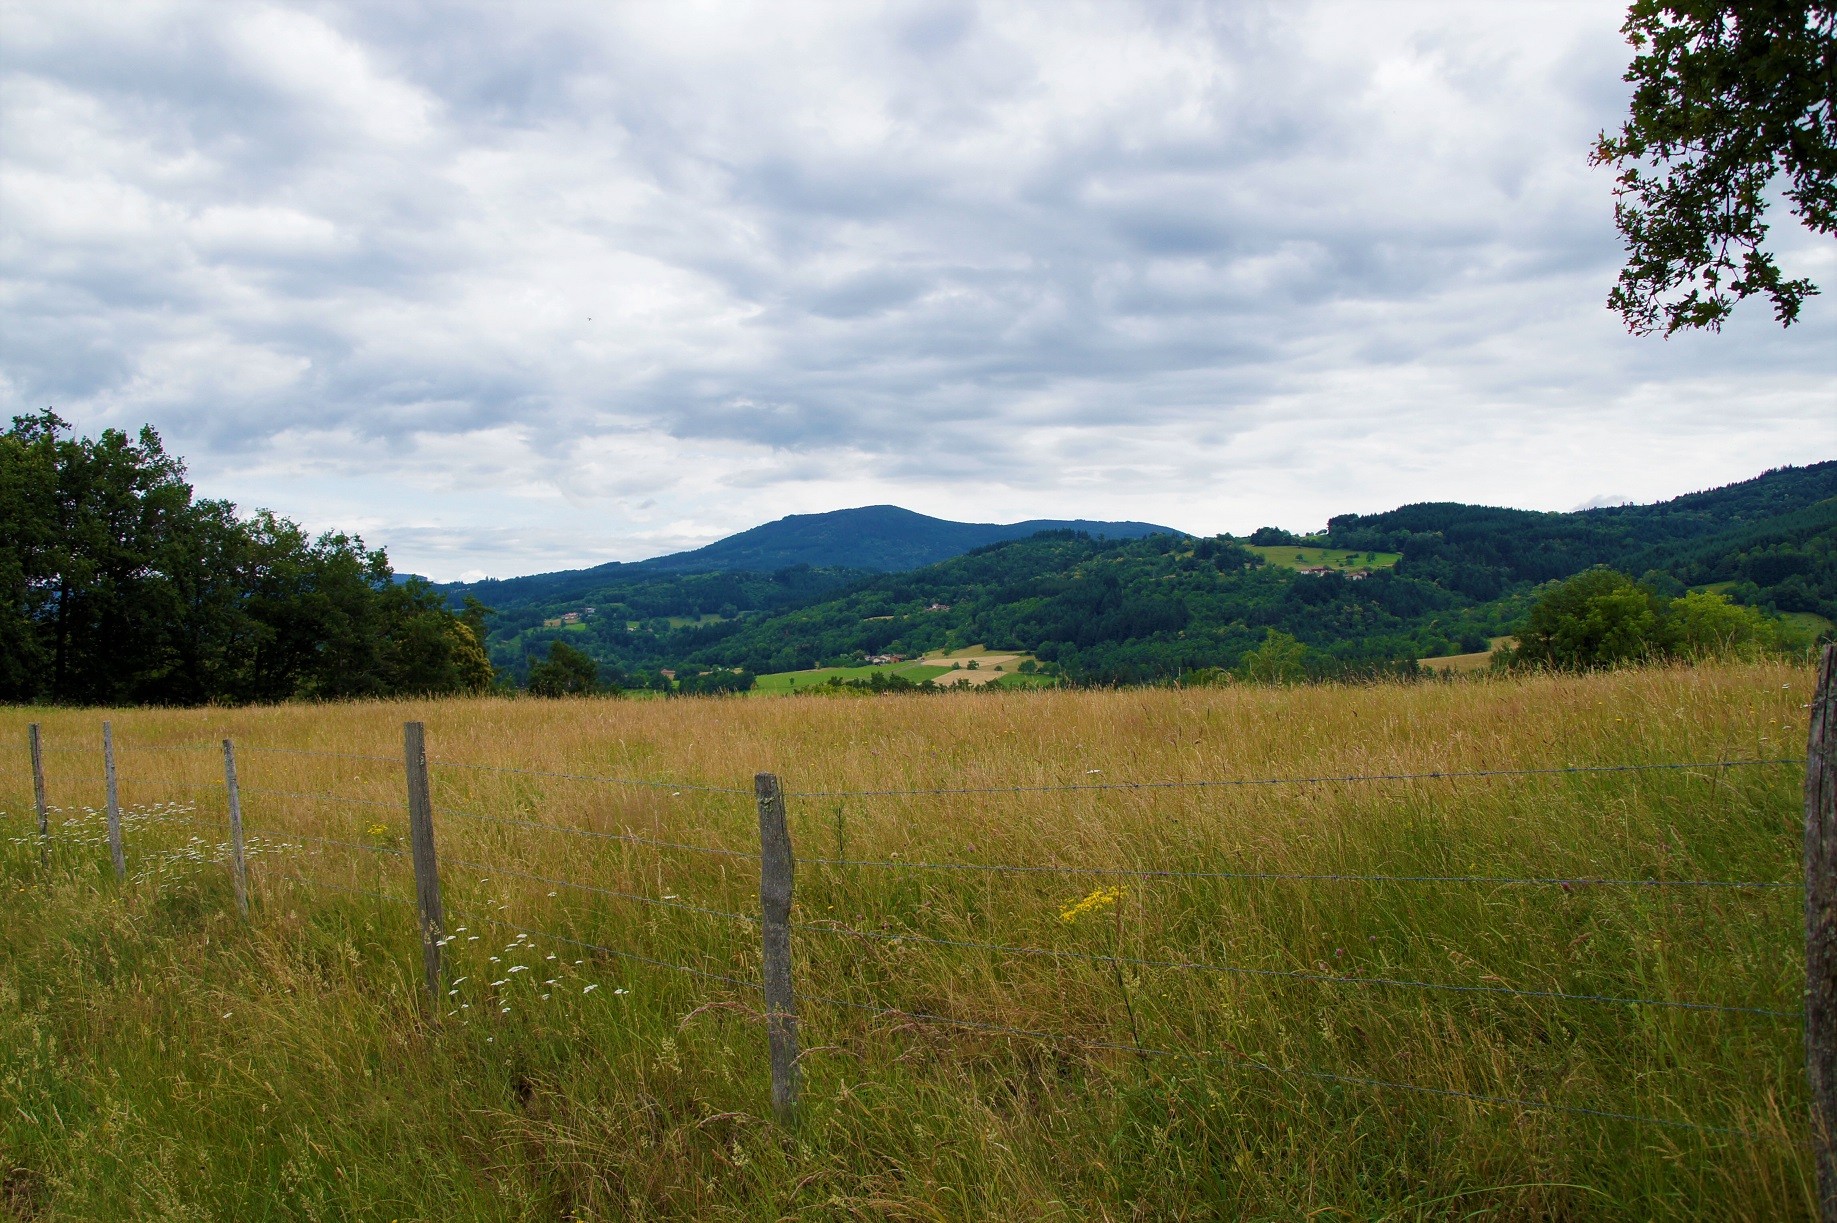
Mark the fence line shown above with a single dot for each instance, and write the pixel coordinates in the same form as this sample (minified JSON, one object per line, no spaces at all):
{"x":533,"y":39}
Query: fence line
{"x":319,"y":796}
{"x":631,"y":837}
{"x":288,"y":837}
{"x":314,"y":882}
{"x":165,"y":747}
{"x":636,"y":783}
{"x":1227,"y":783}
{"x":300,"y":751}
{"x":534,"y":932}
{"x":1324,"y":978}
{"x":776,"y":865}
{"x":600,"y":891}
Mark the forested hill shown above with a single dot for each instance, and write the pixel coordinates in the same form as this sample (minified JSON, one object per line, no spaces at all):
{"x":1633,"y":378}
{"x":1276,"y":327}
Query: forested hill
{"x":1738,"y":532}
{"x":871,"y":539}
{"x":881,"y":538}
{"x":1414,"y":582}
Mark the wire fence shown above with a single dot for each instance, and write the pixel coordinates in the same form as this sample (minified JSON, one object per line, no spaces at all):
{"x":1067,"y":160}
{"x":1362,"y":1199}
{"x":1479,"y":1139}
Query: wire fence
{"x":280,"y":864}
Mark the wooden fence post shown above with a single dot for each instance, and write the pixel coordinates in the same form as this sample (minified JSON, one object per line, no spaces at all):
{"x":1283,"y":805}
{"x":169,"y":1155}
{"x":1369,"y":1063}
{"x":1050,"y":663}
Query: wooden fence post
{"x":776,"y":866}
{"x":239,"y":871}
{"x":38,"y":797}
{"x":114,"y":803}
{"x":427,"y":870}
{"x":1821,"y":929}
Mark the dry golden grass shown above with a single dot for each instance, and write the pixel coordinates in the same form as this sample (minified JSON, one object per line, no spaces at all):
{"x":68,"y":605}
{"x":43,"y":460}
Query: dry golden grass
{"x":648,"y":1103}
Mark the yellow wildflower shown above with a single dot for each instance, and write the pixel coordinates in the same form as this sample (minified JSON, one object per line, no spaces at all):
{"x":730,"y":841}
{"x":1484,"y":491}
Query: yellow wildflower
{"x":1096,"y":902}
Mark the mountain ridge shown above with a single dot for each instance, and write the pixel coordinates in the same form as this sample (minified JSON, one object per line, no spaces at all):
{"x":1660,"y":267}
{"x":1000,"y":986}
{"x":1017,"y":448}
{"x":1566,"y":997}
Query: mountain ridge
{"x":864,"y":539}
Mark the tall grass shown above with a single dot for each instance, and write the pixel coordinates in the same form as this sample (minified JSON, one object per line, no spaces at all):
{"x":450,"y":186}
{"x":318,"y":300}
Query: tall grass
{"x":161,"y":1058}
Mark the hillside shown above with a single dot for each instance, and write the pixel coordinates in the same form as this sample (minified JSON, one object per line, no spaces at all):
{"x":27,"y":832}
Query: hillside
{"x":1116,"y":611}
{"x":870,"y":539}
{"x":1419,"y":581}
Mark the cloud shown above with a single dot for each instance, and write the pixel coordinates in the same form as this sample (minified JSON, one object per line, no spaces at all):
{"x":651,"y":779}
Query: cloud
{"x":514,"y":288}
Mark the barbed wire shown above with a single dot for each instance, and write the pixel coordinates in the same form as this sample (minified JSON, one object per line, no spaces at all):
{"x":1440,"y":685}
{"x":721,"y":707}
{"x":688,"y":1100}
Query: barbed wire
{"x":1294,"y":974}
{"x":635,"y":782}
{"x":287,"y":838}
{"x":534,"y":932}
{"x":300,"y":751}
{"x":568,"y":830}
{"x":191,"y":787}
{"x":320,"y":796}
{"x":128,"y":745}
{"x":1227,"y":783}
{"x":1243,"y":1059}
{"x":312,"y":881}
{"x":1281,"y":876}
{"x":600,"y":891}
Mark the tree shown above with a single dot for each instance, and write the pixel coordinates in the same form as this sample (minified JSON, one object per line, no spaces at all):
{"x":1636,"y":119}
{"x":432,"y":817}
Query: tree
{"x":1597,"y":618}
{"x":1705,"y":624}
{"x":1281,"y":659}
{"x":117,"y":585}
{"x":1729,"y":96}
{"x":565,"y":672}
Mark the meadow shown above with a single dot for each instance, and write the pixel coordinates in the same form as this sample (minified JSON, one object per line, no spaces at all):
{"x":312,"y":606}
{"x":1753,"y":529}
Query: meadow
{"x":1307,"y":556}
{"x":946,"y":668}
{"x":1407,"y":998}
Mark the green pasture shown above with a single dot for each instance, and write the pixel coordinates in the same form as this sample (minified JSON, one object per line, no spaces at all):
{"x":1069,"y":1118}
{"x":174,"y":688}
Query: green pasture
{"x":1805,"y":626}
{"x":794,"y":681}
{"x":676,"y":622}
{"x":1286,"y":557}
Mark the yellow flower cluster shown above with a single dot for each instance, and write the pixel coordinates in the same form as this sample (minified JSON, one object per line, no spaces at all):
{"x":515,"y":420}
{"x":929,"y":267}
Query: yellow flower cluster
{"x":1096,"y":902}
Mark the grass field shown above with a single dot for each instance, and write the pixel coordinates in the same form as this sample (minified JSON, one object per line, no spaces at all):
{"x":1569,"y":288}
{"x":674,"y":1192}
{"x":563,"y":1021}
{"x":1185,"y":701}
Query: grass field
{"x":161,"y":1058}
{"x":1286,"y":557}
{"x":1806,"y":626}
{"x":993,"y":667}
{"x":789,"y":681}
{"x":1477,"y":661}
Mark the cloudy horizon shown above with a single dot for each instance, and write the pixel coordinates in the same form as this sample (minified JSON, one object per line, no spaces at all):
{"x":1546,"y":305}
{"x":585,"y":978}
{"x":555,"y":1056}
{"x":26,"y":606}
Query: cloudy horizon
{"x":510,"y":289}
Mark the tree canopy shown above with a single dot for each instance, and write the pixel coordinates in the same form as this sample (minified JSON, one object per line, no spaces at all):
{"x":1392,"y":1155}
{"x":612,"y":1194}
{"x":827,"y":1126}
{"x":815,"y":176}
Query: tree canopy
{"x":1730,"y":97}
{"x":117,"y":585}
{"x":1602,"y":618}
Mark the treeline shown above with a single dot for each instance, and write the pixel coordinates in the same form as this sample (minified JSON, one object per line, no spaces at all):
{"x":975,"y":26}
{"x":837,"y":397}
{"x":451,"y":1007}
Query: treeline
{"x":1110,"y":611}
{"x":119,"y":586}
{"x":1774,"y":538}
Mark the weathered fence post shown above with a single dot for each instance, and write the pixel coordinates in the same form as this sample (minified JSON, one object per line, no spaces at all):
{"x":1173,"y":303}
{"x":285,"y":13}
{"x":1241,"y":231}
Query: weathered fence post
{"x":239,"y":871}
{"x":114,"y":803}
{"x":38,"y":797}
{"x":776,"y":866}
{"x":427,"y":870}
{"x":1821,"y":929}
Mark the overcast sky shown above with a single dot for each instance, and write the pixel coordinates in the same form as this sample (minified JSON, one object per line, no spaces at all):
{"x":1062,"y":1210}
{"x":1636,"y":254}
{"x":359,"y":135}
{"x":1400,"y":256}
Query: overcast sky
{"x":517,"y":287}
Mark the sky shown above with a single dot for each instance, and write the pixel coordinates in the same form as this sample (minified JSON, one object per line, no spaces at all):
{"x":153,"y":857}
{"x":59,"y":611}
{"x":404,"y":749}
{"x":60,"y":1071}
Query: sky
{"x":515,"y":288}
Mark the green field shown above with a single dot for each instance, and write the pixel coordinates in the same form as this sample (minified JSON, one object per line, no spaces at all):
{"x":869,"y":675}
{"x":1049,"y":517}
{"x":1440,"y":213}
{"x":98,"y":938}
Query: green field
{"x":1806,"y":626}
{"x":794,"y":681}
{"x":1378,"y":999}
{"x":632,"y":626}
{"x":1286,"y":557}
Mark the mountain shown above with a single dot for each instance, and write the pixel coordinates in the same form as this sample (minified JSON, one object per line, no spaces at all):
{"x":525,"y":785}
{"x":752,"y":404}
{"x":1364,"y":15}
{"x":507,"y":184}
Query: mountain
{"x":1371,"y":594}
{"x":1482,"y":551}
{"x":871,"y":539}
{"x":880,"y":538}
